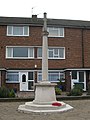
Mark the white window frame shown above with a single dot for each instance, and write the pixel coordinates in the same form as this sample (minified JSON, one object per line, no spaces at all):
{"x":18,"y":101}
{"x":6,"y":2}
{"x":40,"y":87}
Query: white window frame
{"x":31,"y":80}
{"x":54,"y":53}
{"x":28,"y":57}
{"x":58,"y":31}
{"x":12,"y":72}
{"x":17,"y":26}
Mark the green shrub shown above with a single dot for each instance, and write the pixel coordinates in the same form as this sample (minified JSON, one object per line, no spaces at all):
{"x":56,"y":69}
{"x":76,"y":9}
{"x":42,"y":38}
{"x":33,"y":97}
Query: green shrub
{"x":6,"y":93}
{"x":11,"y":93}
{"x":75,"y":92}
{"x":58,"y":91}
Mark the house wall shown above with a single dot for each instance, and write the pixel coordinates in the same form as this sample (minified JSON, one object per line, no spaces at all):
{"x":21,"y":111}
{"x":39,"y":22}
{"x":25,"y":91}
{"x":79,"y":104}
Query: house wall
{"x":72,"y":41}
{"x":14,"y":86}
{"x":86,"y":48}
{"x":68,"y":80}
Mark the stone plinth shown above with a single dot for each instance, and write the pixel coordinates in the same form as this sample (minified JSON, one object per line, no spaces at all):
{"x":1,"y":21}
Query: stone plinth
{"x":44,"y":93}
{"x":44,"y":99}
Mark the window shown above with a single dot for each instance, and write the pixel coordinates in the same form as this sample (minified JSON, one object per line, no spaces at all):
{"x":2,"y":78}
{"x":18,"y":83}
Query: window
{"x":55,"y":32}
{"x":30,"y":75}
{"x":53,"y":76}
{"x":12,"y":77}
{"x":17,"y":31}
{"x":23,"y":78}
{"x":30,"y":80}
{"x":39,"y":52}
{"x":19,"y":52}
{"x":30,"y":85}
{"x":53,"y":53}
{"x":81,"y":76}
{"x":74,"y":74}
{"x":56,"y":53}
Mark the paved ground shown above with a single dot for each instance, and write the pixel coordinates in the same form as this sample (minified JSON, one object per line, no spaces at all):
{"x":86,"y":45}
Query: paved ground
{"x":81,"y":111}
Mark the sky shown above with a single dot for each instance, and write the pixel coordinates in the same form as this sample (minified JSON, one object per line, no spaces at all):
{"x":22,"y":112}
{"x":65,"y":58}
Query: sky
{"x":56,"y":9}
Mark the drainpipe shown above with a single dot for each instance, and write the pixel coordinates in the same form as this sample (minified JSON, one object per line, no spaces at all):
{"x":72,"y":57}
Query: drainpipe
{"x":82,"y":49}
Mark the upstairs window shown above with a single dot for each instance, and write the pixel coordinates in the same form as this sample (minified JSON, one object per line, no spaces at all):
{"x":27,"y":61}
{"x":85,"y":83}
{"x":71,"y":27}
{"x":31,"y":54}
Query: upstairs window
{"x":55,"y":32}
{"x":20,"y":52}
{"x":17,"y":31}
{"x":53,"y":53}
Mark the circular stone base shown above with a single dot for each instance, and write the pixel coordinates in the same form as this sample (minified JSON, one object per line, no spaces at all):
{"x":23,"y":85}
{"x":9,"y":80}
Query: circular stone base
{"x":31,"y":107}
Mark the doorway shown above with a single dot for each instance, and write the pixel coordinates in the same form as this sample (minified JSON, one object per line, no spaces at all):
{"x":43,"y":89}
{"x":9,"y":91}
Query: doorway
{"x":26,"y":81}
{"x":78,"y":78}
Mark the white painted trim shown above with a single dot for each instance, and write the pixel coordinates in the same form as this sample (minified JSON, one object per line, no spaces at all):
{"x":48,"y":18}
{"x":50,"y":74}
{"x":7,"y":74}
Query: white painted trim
{"x":78,"y":69}
{"x":12,"y":82}
{"x":1,"y":69}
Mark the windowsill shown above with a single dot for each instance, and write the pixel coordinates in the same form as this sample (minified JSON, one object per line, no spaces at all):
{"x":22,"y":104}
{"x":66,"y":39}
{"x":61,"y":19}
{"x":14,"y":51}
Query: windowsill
{"x":17,"y":35}
{"x":53,"y":58}
{"x":20,"y":58}
{"x":55,"y":36}
{"x":12,"y":81}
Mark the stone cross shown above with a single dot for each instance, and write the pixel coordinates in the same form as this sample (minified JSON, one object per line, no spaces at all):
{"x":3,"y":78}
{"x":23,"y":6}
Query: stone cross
{"x":45,"y":51}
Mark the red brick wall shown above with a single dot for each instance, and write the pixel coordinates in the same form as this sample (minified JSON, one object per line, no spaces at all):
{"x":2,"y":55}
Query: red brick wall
{"x":3,"y":78}
{"x":68,"y":80}
{"x":86,"y":48}
{"x":71,"y":42}
{"x":14,"y":86}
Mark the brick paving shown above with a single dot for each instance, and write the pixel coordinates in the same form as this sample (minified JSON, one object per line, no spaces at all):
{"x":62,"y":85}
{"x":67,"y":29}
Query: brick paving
{"x":81,"y":111}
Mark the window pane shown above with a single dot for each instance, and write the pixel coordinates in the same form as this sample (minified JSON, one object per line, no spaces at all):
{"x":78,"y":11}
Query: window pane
{"x":23,"y":78}
{"x":56,"y":32}
{"x":61,"y":31}
{"x":30,"y":75}
{"x":50,"y":52}
{"x":39,"y":76}
{"x":53,"y":76}
{"x":81,"y":76}
{"x":56,"y":51}
{"x":30,"y":85}
{"x":62,"y":76}
{"x":30,"y":52}
{"x":12,"y":76}
{"x":26,"y":30}
{"x":17,"y":30}
{"x":20,"y":52}
{"x":56,"y":55}
{"x":39,"y":52}
{"x":61,"y":52}
{"x":53,"y":32}
{"x":9,"y":52}
{"x":9,"y":30}
{"x":74,"y":74}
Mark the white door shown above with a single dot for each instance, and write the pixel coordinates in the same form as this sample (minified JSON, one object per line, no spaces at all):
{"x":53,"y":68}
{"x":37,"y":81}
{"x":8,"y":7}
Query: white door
{"x":82,"y":79}
{"x":23,"y":81}
{"x":79,"y":78}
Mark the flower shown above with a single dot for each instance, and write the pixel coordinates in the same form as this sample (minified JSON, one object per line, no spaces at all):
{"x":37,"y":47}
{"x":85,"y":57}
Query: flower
{"x":56,"y":104}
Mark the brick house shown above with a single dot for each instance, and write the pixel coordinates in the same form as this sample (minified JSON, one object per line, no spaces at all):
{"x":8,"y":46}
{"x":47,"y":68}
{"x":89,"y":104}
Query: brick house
{"x":21,"y":52}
